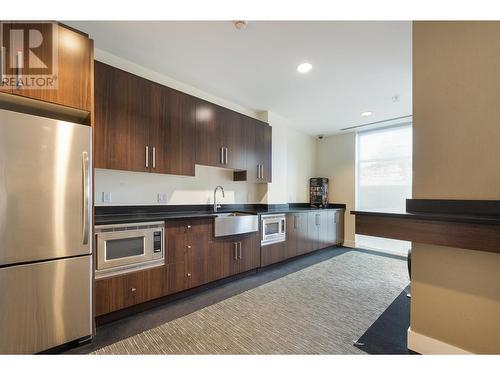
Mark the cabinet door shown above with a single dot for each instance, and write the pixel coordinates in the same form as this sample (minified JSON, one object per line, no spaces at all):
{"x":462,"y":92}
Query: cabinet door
{"x":266,"y":152}
{"x":233,"y":133}
{"x":258,"y":136}
{"x":339,"y":217}
{"x":323,"y":229}
{"x":177,"y":279}
{"x":198,"y":232}
{"x":273,"y":253}
{"x":249,"y":253}
{"x":292,"y":234}
{"x":118,"y":292}
{"x":123,"y":115}
{"x":174,"y":136}
{"x":332,"y":227}
{"x":253,"y":157}
{"x":74,"y":76}
{"x":196,"y":273}
{"x":313,"y":231}
{"x":303,"y":243}
{"x":175,"y":241}
{"x":209,"y":136}
{"x":230,"y":263}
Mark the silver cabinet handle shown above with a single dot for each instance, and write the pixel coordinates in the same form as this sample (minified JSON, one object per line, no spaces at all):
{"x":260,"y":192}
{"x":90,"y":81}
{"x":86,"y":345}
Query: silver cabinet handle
{"x":241,"y":256}
{"x":154,"y":157}
{"x":260,"y":171}
{"x":222,"y":155}
{"x":235,"y":250}
{"x":188,"y":274}
{"x":2,"y":66}
{"x":133,"y":290}
{"x":147,"y":156}
{"x":188,"y":227}
{"x":295,"y":222}
{"x":317,"y":219}
{"x":226,"y":155}
{"x":86,"y":196}
{"x":19,"y":57}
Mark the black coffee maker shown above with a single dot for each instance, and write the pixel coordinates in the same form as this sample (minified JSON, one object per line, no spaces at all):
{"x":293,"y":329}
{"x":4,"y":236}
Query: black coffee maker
{"x":318,"y":192}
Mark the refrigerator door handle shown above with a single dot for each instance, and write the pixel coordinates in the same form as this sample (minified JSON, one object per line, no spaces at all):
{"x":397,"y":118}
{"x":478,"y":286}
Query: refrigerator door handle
{"x":86,"y":188}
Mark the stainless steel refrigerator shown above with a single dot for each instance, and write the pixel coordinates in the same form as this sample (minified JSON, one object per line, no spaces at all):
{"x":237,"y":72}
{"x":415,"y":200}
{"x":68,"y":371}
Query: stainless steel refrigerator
{"x":45,"y":232}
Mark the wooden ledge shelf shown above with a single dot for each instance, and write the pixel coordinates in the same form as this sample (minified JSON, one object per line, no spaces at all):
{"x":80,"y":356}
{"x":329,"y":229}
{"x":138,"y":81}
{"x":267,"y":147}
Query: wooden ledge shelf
{"x":462,"y":231}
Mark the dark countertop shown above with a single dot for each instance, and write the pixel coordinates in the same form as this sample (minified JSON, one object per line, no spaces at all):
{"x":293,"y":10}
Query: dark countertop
{"x":432,"y":216}
{"x":107,"y":215}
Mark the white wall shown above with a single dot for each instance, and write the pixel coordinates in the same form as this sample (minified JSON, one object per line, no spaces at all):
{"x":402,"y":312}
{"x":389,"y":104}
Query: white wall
{"x":294,"y":162}
{"x":336,"y":159}
{"x":294,"y":156}
{"x":137,"y":188}
{"x":141,"y":71}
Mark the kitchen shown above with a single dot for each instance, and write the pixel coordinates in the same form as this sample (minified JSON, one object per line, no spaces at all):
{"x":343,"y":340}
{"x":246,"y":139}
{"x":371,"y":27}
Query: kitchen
{"x":150,"y":207}
{"x":141,"y":253}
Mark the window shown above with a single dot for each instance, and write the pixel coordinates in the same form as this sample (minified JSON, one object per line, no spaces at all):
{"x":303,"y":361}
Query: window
{"x":384,"y":172}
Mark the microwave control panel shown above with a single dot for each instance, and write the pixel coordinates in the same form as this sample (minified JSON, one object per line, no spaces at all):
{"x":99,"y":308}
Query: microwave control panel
{"x":157,"y":235}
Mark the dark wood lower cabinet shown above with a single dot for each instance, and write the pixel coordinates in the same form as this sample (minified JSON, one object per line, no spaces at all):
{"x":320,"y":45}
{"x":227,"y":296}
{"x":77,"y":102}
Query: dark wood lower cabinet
{"x":195,"y":257}
{"x":310,"y":231}
{"x":249,"y":258}
{"x":118,"y":292}
{"x":273,"y":253}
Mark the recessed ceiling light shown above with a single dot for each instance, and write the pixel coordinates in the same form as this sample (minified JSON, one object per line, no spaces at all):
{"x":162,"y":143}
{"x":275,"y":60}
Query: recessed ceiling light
{"x":367,"y":113}
{"x":304,"y":67}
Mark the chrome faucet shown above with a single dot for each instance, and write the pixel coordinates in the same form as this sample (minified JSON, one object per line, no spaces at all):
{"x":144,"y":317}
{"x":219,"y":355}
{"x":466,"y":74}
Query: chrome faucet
{"x":217,"y":206}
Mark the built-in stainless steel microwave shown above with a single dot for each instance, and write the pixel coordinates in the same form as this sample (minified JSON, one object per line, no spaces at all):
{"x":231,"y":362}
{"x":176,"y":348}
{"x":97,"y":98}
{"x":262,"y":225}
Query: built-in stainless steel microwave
{"x":123,"y":248}
{"x":273,"y":229}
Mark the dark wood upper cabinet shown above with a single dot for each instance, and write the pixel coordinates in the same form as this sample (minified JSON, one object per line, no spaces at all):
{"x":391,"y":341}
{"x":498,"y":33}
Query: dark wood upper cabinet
{"x":123,"y":114}
{"x":220,"y":137}
{"x":146,"y":127}
{"x":173,"y":133}
{"x":142,"y":126}
{"x":74,"y":68}
{"x":209,"y":137}
{"x":258,"y":136}
{"x":233,"y":133}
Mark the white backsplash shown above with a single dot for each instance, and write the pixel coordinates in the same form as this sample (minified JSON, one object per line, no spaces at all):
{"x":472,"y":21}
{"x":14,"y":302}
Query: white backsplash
{"x":137,"y":188}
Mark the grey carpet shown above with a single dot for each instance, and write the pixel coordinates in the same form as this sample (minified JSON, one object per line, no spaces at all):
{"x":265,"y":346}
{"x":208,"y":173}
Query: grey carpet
{"x":321,"y":309}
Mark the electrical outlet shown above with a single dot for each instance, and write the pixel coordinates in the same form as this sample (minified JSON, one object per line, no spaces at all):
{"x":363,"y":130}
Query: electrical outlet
{"x":106,"y":196}
{"x":162,"y":198}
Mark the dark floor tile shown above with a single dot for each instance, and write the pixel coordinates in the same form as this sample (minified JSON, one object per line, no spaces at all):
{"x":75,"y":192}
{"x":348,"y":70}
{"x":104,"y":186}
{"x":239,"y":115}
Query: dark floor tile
{"x":388,"y":334}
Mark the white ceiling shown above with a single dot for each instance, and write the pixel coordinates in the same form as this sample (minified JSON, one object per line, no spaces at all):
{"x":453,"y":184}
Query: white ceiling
{"x":357,"y":65}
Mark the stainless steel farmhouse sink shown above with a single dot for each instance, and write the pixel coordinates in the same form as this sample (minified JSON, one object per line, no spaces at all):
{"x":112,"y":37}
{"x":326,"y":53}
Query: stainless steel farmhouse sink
{"x":230,"y":223}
